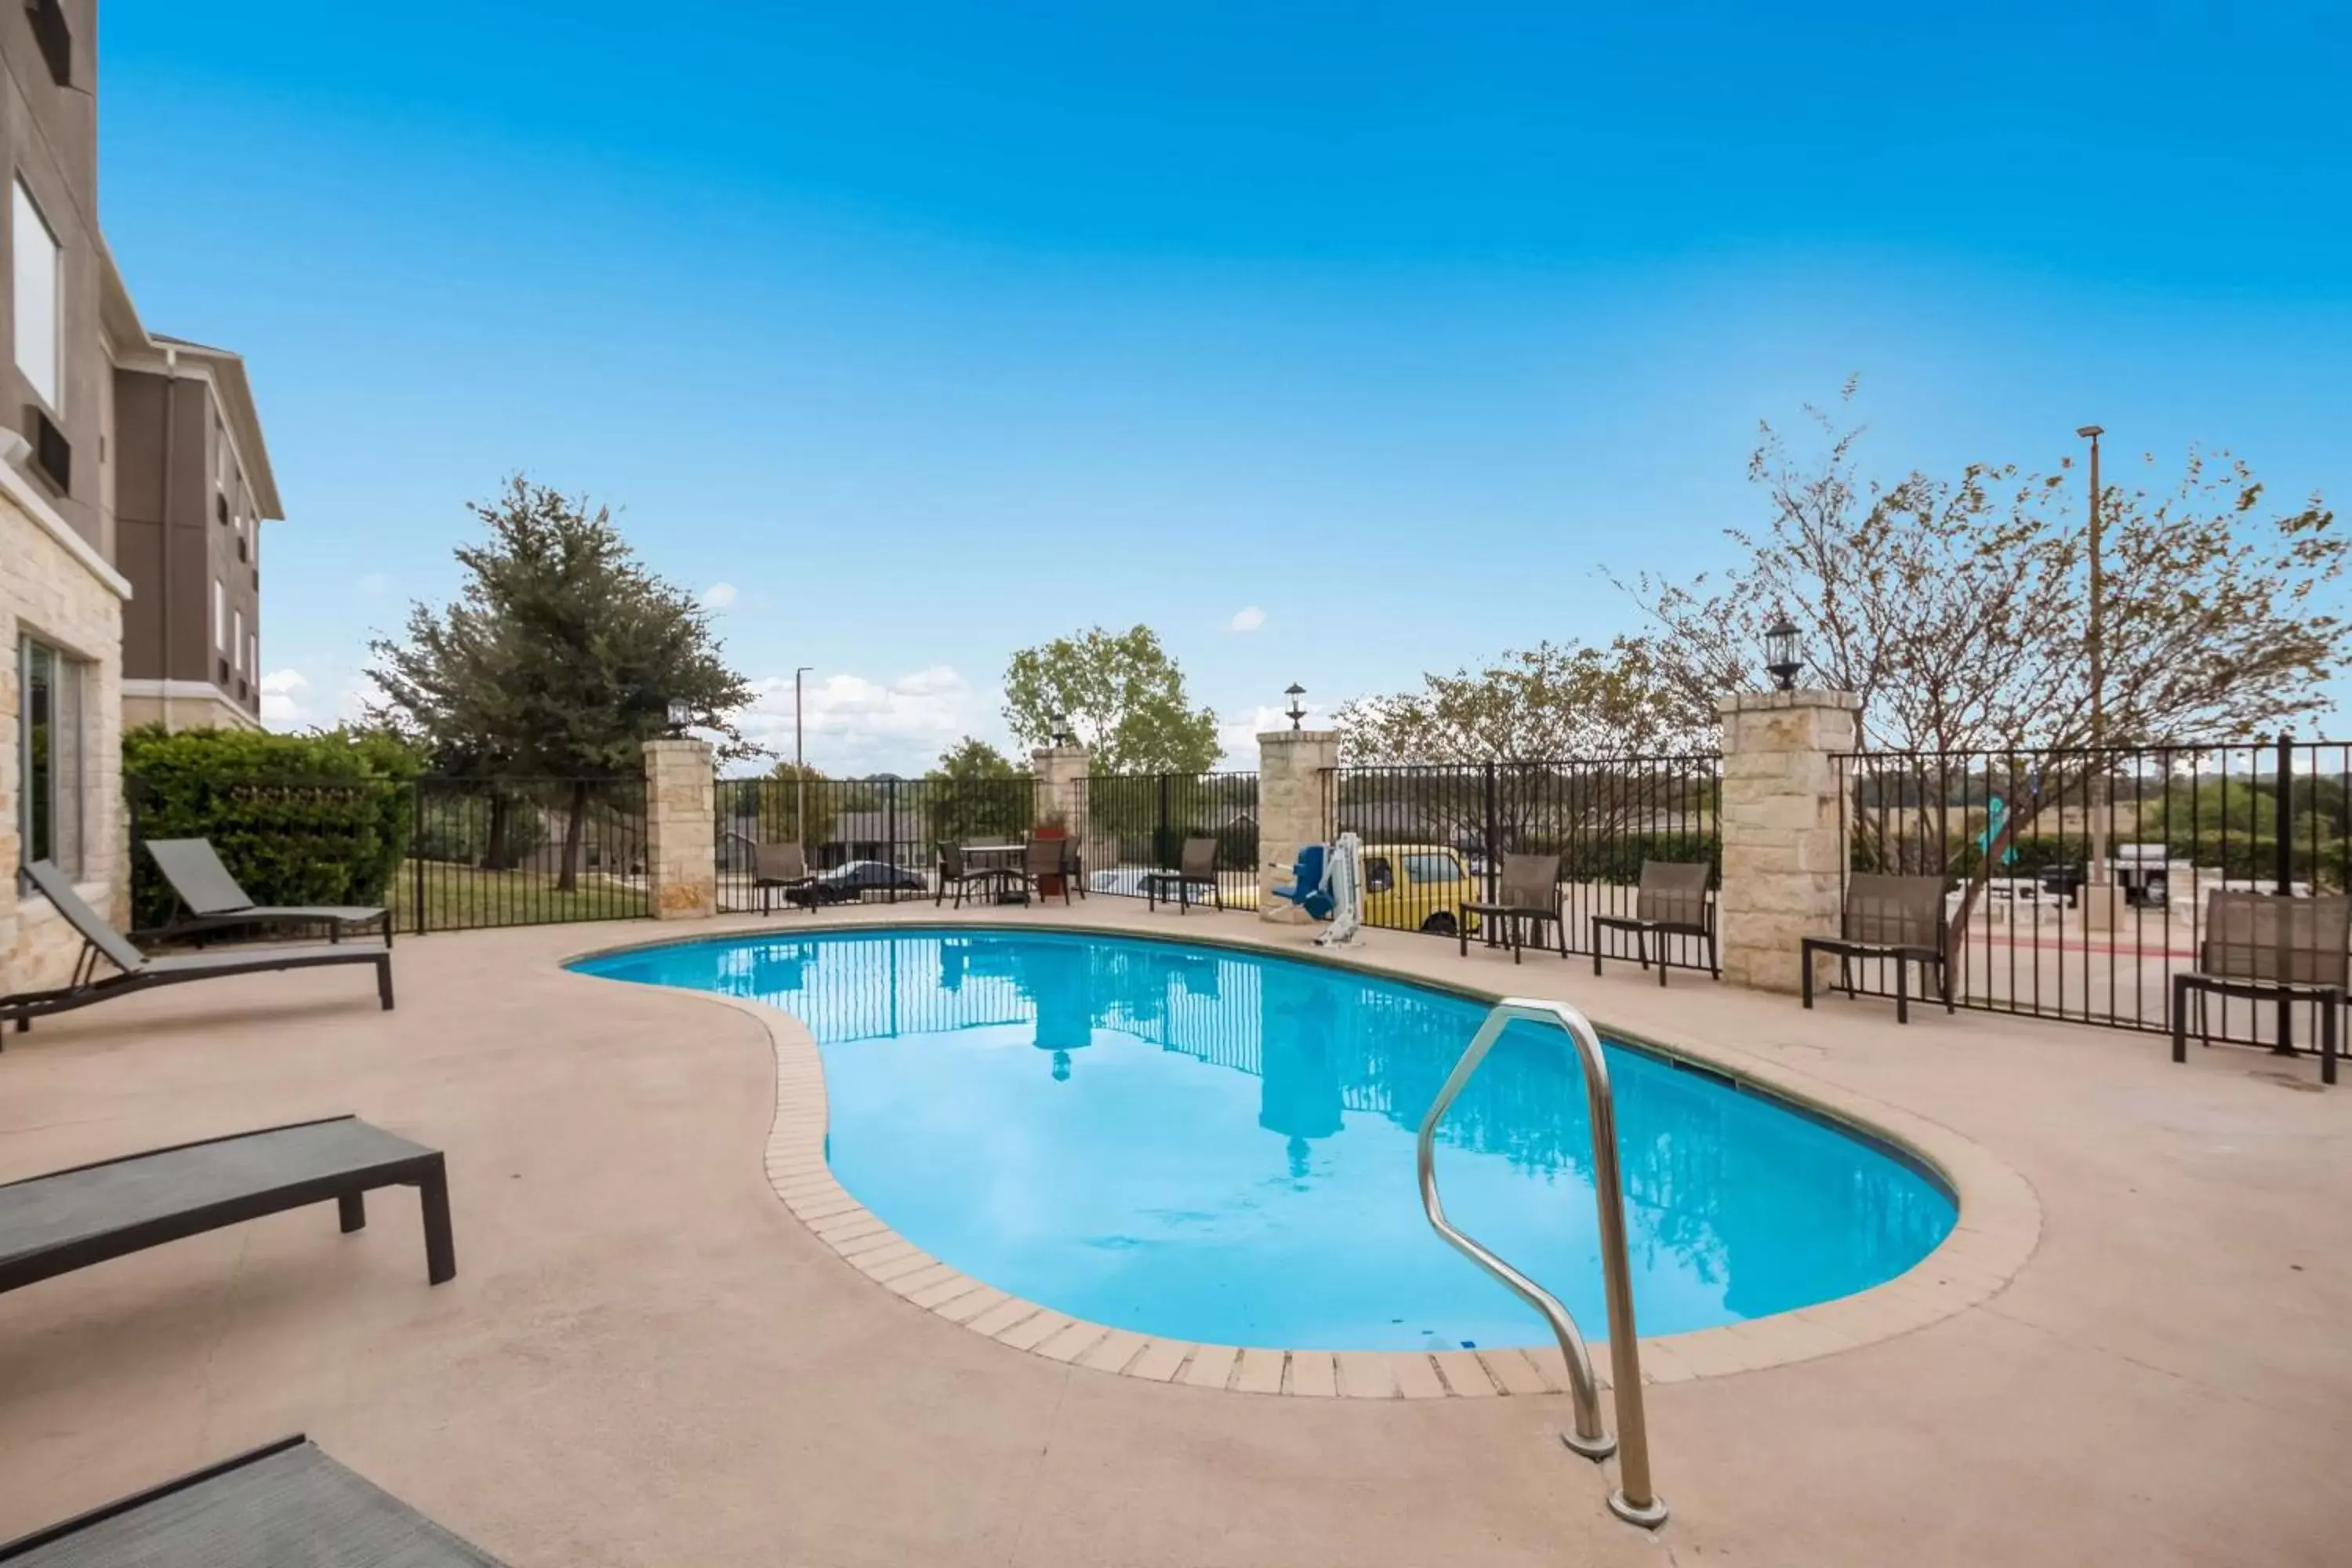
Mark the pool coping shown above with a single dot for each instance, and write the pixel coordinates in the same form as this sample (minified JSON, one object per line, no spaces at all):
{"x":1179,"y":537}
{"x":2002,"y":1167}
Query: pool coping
{"x":1998,"y":1228}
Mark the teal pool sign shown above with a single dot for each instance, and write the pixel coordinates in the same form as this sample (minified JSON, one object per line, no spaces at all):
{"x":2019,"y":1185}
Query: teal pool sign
{"x":1996,"y":815}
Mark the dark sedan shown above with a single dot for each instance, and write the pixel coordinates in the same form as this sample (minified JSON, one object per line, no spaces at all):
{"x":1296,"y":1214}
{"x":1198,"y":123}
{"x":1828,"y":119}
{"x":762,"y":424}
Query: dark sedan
{"x":846,"y":884}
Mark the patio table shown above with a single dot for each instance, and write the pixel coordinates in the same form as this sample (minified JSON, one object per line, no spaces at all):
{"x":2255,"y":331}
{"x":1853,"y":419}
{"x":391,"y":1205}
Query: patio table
{"x":1005,"y":858}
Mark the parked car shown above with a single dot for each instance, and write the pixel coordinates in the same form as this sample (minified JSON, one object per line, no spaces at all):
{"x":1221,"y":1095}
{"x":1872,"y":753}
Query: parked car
{"x":847,"y":883}
{"x":1418,"y":886}
{"x":1127,"y":881}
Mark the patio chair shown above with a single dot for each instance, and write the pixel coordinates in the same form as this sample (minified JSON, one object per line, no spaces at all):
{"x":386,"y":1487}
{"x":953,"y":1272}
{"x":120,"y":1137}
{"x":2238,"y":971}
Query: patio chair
{"x":70,"y":1219}
{"x":2262,"y":946}
{"x":958,"y":872}
{"x":209,"y":896}
{"x":1196,"y":867}
{"x":284,"y":1506}
{"x":1042,"y":859}
{"x":1901,"y":918}
{"x":779,"y":865}
{"x":1528,"y":895}
{"x":1674,"y":899}
{"x":141,"y":972}
{"x":1073,"y":867}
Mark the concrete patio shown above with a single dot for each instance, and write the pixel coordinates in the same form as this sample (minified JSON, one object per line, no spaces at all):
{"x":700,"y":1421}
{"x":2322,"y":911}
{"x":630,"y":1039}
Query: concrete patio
{"x":646,"y":1359}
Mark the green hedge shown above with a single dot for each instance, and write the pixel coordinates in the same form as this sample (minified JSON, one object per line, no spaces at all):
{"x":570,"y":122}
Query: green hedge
{"x":298,"y":819}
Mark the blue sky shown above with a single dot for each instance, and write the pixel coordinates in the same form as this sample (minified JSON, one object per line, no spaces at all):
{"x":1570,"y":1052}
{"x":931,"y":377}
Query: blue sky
{"x":931,"y":331}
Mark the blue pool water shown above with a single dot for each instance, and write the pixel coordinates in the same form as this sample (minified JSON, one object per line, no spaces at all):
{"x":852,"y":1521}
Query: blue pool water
{"x":1217,"y":1146}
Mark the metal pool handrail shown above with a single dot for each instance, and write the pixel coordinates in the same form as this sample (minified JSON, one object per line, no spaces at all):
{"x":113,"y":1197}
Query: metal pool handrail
{"x":1632,"y":1501}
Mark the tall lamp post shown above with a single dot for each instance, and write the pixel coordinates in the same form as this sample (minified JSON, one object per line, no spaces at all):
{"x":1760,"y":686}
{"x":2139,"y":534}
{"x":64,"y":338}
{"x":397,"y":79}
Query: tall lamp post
{"x":800,"y":768}
{"x":2100,"y":914}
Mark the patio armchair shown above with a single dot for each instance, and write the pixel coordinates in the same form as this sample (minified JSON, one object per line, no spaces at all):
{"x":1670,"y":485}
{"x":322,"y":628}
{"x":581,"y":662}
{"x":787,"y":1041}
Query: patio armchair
{"x":1885,"y":917}
{"x":784,"y":867}
{"x":141,"y":972}
{"x":959,"y":872}
{"x":1528,"y":895}
{"x":2264,"y":946}
{"x":1044,"y":858}
{"x":1196,"y":867}
{"x":209,"y":897}
{"x":1674,"y":899}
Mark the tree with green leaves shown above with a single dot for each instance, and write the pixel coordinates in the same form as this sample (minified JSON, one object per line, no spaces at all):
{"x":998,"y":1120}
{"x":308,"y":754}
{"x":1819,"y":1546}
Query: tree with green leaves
{"x":976,"y":793}
{"x":560,"y":658}
{"x":1121,"y":695}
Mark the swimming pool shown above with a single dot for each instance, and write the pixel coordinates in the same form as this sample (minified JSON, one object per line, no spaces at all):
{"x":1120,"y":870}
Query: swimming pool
{"x":1214,"y":1144}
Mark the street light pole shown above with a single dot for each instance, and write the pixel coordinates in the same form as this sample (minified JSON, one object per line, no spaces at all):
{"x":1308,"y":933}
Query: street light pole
{"x":2099,"y":910}
{"x":800,"y":768}
{"x":2098,"y":607}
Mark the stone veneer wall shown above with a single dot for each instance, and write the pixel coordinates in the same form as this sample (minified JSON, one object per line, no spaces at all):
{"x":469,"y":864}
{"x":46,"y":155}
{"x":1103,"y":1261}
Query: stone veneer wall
{"x":1293,"y":769}
{"x":681,"y":830}
{"x":1061,"y":774}
{"x":55,"y":587}
{"x":1784,"y":847}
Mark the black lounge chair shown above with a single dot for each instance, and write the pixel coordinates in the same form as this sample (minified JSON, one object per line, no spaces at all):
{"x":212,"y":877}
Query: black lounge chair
{"x":284,"y":1506}
{"x":55,"y":1223}
{"x":1196,"y":867}
{"x":1901,"y":918}
{"x":1529,"y":895}
{"x":210,"y":898}
{"x":141,"y":973}
{"x":1673,"y":900}
{"x":784,"y":866}
{"x":2260,"y":945}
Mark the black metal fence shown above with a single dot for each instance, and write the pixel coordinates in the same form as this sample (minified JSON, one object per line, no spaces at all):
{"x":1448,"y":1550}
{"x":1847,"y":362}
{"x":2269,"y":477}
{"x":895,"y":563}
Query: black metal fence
{"x":1138,"y":823}
{"x":865,"y":839}
{"x":2077,"y":881}
{"x":1434,"y":835}
{"x":442,"y":854}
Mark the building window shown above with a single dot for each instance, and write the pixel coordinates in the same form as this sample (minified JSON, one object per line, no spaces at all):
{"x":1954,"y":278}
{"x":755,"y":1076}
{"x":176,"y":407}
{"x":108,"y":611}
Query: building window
{"x":236,"y":639}
{"x":55,"y":35}
{"x":37,"y":297}
{"x":253,"y":653}
{"x":220,"y":614}
{"x":51,"y":745}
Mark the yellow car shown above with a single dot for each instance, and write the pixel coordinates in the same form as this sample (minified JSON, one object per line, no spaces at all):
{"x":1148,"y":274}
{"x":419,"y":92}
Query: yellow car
{"x":1418,"y":886}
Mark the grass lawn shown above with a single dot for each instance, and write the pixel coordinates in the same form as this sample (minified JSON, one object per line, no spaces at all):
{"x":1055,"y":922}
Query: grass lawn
{"x":456,"y":896}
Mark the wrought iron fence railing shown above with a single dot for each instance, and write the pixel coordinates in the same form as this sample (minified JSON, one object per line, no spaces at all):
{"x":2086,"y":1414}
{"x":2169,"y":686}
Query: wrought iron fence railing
{"x":1138,"y":823}
{"x":865,"y":841}
{"x":443,"y":854}
{"x":1434,"y":836}
{"x":2077,"y":880}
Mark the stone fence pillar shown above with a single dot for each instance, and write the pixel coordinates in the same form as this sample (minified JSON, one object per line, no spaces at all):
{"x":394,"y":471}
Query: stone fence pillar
{"x":681,"y":836}
{"x":1784,"y":845}
{"x":1061,"y":772}
{"x":1294,"y":770}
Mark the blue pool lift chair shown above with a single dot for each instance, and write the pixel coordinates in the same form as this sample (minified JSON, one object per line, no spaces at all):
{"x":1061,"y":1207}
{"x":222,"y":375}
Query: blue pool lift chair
{"x":1306,"y":886}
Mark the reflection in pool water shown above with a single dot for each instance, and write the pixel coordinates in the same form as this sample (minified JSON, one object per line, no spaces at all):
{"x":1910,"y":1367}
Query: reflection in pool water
{"x":1218,"y":1145}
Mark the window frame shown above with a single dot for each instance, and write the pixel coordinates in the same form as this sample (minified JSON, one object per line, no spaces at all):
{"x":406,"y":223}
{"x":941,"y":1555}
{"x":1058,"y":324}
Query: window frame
{"x":64,"y":835}
{"x":22,"y":203}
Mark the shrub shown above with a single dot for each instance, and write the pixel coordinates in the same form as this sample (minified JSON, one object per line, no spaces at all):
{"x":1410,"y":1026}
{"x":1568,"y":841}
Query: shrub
{"x":298,"y":819}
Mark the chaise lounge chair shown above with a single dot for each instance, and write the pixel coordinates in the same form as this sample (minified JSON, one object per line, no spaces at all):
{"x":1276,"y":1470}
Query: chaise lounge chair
{"x":70,"y":1219}
{"x":210,"y":897}
{"x":284,"y":1506}
{"x":141,"y":973}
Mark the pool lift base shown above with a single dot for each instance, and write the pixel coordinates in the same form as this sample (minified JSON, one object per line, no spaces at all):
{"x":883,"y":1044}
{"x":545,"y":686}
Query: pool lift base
{"x":1343,"y":880}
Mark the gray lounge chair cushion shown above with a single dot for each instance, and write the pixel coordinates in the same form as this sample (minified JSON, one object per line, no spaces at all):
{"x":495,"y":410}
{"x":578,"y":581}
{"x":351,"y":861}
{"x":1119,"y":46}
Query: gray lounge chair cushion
{"x":58,"y":888}
{"x":193,"y":868}
{"x":287,"y":1507}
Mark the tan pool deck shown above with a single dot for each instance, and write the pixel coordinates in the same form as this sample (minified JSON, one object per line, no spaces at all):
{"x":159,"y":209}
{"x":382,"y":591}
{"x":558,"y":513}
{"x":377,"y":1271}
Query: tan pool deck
{"x":647,"y":1358}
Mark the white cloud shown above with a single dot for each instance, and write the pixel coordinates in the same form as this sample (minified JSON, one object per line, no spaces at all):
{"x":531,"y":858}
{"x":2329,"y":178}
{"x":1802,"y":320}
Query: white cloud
{"x":854,"y":725}
{"x":718,"y":595}
{"x":282,"y":701}
{"x":1246,"y":619}
{"x":1238,"y":736}
{"x":287,"y":702}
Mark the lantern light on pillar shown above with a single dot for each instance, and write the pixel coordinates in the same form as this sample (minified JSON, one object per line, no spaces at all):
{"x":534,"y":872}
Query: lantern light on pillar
{"x":1781,"y":658}
{"x":1295,"y":713}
